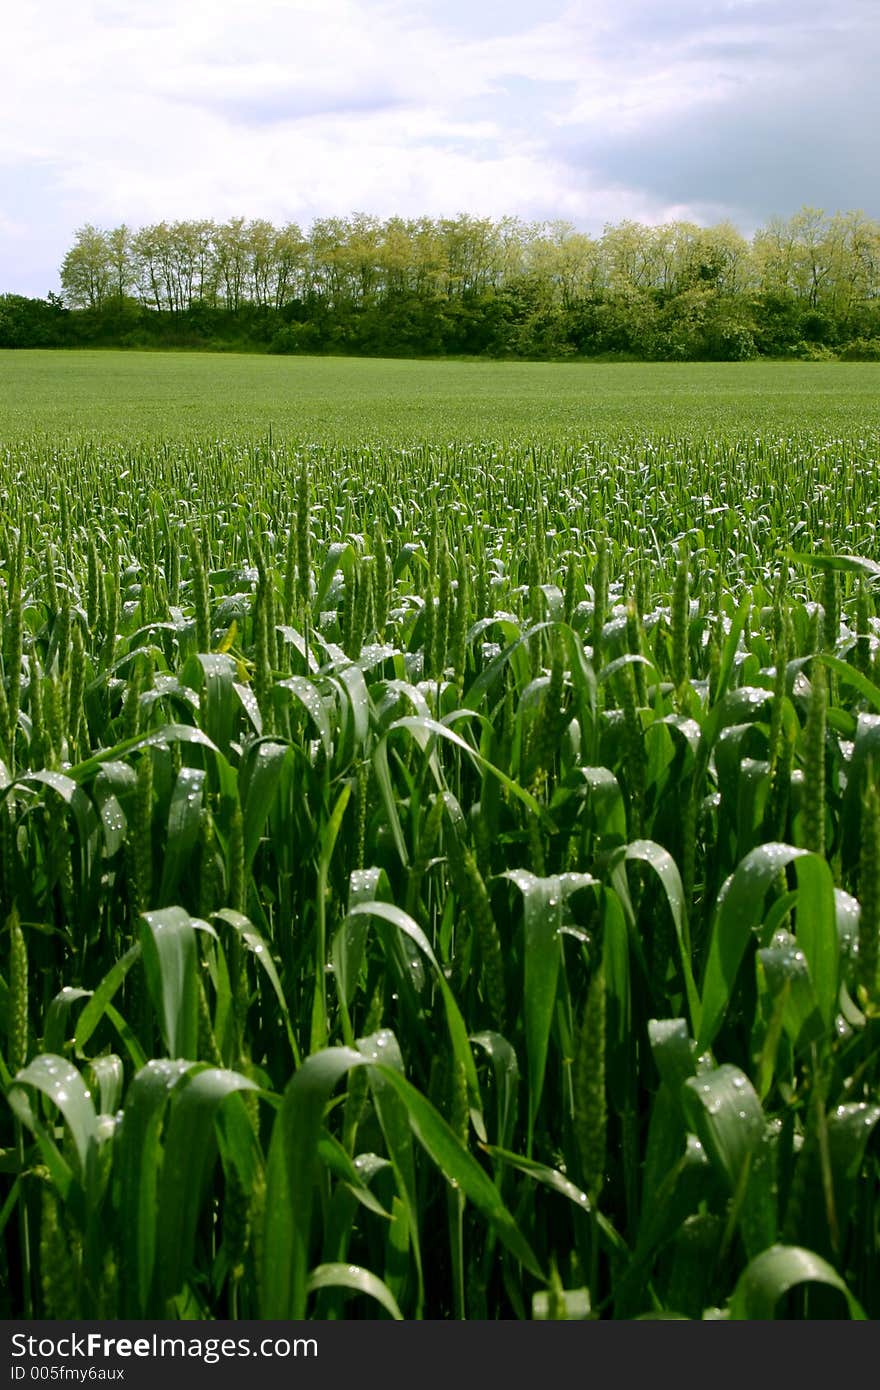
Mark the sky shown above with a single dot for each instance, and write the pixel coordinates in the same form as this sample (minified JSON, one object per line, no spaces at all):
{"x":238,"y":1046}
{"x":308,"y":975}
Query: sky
{"x":592,"y":111}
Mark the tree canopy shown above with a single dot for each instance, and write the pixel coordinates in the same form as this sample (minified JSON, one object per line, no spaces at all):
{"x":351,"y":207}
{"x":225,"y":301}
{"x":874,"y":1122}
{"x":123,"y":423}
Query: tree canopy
{"x":808,"y":285}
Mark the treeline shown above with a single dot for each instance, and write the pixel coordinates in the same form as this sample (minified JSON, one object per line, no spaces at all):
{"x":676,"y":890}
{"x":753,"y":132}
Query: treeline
{"x":806,"y":286}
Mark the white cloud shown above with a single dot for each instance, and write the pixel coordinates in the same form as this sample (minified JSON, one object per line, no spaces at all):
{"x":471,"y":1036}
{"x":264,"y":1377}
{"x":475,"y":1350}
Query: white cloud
{"x":138,"y":110}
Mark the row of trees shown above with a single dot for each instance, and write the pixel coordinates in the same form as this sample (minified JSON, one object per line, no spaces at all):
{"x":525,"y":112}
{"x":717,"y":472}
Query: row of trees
{"x":808,"y":285}
{"x":828,"y":262}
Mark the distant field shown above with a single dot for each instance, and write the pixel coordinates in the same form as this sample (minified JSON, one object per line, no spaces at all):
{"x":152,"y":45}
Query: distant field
{"x":136,"y":395}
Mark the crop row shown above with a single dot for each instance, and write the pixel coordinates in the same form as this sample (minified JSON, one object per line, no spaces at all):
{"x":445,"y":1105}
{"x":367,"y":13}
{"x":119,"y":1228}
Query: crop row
{"x":441,"y":883}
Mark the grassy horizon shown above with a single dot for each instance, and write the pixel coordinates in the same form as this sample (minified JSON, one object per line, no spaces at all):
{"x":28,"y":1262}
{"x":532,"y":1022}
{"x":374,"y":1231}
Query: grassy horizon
{"x":125,"y":395}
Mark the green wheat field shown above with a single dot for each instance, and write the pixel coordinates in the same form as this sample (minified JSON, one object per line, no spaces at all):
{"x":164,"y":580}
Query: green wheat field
{"x":439,"y":839}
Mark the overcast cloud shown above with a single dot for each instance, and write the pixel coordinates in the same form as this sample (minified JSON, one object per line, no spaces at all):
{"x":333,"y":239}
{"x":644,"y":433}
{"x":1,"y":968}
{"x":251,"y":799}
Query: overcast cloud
{"x":596,"y":110}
